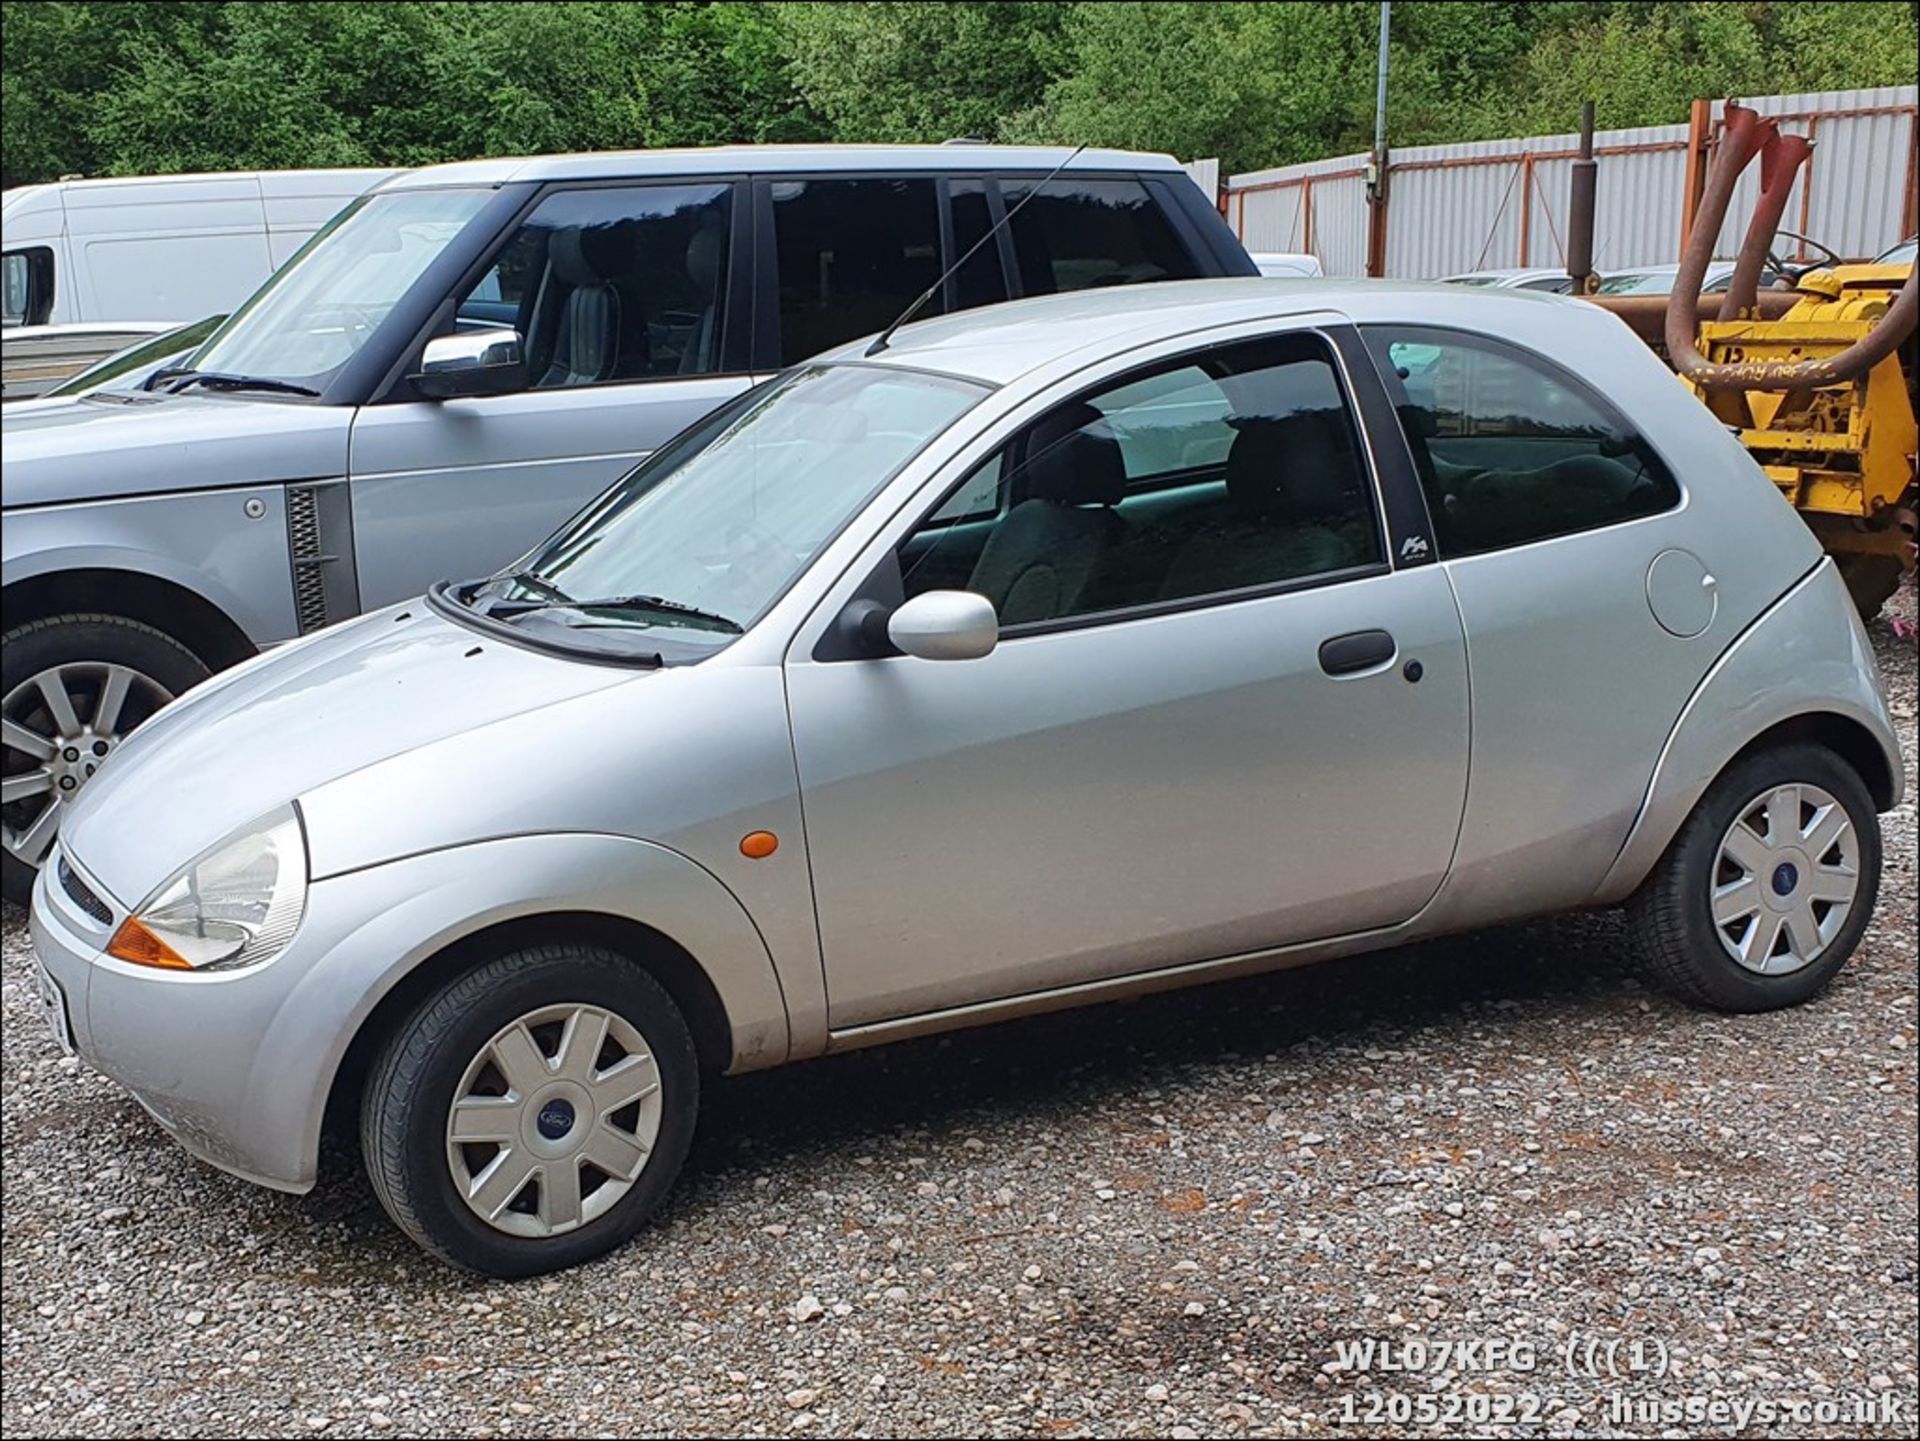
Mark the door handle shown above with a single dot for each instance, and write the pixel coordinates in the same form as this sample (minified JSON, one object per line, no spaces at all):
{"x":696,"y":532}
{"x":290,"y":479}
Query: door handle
{"x":1357,"y":651}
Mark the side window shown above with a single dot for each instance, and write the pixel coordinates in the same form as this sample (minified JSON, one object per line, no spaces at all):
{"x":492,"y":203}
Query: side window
{"x":28,"y":287}
{"x":1080,"y":233}
{"x":617,"y":284}
{"x":1511,"y":449}
{"x":981,"y":281}
{"x":1234,"y":468}
{"x":853,"y":254}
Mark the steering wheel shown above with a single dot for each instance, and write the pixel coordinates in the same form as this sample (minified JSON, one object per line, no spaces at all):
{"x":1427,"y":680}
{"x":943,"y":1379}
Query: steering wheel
{"x":1794,"y":272}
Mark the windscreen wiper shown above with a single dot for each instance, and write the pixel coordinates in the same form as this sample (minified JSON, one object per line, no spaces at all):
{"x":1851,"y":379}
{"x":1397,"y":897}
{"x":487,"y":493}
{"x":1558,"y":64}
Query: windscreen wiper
{"x":656,"y":603}
{"x":215,"y":381}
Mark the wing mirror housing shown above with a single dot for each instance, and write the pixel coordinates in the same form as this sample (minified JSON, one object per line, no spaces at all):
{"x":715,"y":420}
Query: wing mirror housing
{"x":945,"y":625}
{"x":472,"y":362}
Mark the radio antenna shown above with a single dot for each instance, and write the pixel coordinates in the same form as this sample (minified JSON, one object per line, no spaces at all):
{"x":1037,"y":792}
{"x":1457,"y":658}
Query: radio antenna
{"x":912,"y":310}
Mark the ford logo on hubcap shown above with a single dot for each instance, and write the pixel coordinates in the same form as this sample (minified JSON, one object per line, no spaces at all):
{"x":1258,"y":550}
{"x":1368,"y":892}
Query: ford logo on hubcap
{"x":1785,"y":877}
{"x":556,"y":1119}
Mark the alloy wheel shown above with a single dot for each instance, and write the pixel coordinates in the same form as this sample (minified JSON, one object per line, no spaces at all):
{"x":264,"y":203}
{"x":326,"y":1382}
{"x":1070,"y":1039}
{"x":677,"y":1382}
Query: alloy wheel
{"x":58,"y":726}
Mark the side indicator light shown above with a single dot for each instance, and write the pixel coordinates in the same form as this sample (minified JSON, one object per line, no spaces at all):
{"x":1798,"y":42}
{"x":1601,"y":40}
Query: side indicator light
{"x":134,"y":942}
{"x":758,"y":845}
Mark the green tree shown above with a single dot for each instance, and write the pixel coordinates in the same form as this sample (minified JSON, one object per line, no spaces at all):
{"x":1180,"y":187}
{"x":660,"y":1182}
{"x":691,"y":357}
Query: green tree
{"x":912,"y":72}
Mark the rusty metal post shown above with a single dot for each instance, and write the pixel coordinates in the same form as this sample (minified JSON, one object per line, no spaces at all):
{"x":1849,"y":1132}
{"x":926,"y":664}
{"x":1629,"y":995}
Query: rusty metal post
{"x":1377,"y":179}
{"x":1580,"y":208}
{"x":1699,"y":134}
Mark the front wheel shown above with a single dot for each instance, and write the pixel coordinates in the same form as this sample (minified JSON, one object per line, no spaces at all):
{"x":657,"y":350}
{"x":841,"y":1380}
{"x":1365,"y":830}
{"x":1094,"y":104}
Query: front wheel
{"x":533,"y":1113}
{"x":1769,"y":886}
{"x":71,"y":688}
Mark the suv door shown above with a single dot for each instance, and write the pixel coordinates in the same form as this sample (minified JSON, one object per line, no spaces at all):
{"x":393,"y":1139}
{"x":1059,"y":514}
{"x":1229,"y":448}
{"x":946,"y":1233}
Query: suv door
{"x":1198,"y":736}
{"x":632,"y":300}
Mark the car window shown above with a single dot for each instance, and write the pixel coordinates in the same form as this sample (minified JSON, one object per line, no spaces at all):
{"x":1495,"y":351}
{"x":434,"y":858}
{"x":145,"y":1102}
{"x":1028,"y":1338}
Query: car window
{"x":981,"y":281}
{"x":852,"y":255}
{"x":1080,"y":233}
{"x":618,"y":284}
{"x":28,"y":290}
{"x":1510,"y":448}
{"x":1235,"y":467}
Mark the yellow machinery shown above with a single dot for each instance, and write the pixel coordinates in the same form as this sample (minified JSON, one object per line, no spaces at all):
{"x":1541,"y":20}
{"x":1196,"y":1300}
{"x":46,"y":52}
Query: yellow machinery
{"x":1819,"y":384}
{"x":1842,"y":453}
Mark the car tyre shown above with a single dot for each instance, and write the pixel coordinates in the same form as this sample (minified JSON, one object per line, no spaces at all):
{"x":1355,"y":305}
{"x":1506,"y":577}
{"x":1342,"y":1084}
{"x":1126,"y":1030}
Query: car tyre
{"x":423,"y":1175}
{"x":1681,"y":946}
{"x":82,"y":650}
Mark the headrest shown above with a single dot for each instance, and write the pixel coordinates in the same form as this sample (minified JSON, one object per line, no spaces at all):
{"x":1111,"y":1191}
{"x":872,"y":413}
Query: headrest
{"x":1074,"y":459}
{"x":589,"y":254}
{"x":1294,"y":467}
{"x":703,"y":255}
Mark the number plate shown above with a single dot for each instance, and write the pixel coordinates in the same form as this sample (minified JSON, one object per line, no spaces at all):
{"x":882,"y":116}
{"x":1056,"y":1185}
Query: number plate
{"x":56,"y":1008}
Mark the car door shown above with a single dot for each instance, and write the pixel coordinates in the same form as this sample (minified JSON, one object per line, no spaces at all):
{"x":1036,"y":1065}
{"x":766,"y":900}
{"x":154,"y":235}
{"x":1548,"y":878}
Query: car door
{"x":1218,"y":719}
{"x":632,"y":302}
{"x":1591,"y":594}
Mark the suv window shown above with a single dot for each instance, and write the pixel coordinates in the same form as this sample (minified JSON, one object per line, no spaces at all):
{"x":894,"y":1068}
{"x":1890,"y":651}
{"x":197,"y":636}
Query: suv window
{"x":626,"y":283}
{"x":853,"y":254}
{"x":1232,"y":468}
{"x":1080,"y":233}
{"x":1510,"y":448}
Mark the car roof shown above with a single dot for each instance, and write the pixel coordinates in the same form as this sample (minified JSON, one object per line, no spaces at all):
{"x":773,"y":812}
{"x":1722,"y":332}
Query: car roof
{"x":772,"y":159}
{"x":999,"y":344}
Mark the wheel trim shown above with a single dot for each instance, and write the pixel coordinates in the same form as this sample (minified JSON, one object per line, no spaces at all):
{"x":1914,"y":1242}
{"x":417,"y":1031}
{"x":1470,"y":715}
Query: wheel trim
{"x":1785,"y":879}
{"x":553,"y":1120}
{"x":56,"y":728}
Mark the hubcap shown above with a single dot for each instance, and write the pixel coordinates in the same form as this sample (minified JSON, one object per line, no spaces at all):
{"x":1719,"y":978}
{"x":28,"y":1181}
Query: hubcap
{"x":1786,"y":877}
{"x":553,"y":1120}
{"x":50,"y":751}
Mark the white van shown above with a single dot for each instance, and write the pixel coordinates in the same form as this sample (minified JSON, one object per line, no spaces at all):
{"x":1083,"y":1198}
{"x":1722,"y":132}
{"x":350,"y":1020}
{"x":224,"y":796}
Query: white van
{"x":92,"y":264}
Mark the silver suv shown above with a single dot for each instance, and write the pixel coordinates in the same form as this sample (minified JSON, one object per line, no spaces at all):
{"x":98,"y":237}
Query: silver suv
{"x":458,"y":363}
{"x":1050,"y":654}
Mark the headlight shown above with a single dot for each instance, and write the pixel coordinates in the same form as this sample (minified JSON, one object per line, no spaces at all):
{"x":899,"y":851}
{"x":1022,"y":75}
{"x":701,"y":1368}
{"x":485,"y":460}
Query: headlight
{"x":237,"y":905}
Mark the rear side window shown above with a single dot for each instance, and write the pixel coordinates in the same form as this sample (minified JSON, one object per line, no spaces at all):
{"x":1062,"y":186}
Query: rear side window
{"x":1076,"y":234}
{"x":1511,"y":448}
{"x":853,"y":254}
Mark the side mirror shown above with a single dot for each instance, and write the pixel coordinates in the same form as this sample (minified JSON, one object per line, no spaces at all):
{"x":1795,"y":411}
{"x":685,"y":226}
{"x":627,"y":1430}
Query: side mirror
{"x":472,"y":362}
{"x":945,"y":625}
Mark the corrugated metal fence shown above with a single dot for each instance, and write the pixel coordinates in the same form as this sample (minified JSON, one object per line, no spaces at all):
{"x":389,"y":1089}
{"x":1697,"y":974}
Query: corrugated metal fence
{"x":1497,"y":203}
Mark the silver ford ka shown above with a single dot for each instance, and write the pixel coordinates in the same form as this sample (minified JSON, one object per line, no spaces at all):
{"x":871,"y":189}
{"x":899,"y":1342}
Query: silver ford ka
{"x":1088,"y":646}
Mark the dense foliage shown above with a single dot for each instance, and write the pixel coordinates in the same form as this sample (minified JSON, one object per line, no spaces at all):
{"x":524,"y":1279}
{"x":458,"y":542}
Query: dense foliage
{"x":147,"y":86}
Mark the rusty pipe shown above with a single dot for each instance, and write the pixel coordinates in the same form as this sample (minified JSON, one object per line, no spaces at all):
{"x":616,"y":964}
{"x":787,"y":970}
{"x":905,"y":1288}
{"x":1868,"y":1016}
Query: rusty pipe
{"x":1781,"y":157}
{"x":1580,"y":194}
{"x":1646,"y":315}
{"x":1743,"y":135}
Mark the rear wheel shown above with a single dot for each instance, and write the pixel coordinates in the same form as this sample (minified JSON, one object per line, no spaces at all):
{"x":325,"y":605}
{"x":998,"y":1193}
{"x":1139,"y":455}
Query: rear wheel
{"x":533,"y":1113}
{"x":71,"y":688}
{"x":1767,"y":889}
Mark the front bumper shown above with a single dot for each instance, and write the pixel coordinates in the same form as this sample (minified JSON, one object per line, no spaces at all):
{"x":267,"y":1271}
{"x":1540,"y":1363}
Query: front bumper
{"x":187,"y":1047}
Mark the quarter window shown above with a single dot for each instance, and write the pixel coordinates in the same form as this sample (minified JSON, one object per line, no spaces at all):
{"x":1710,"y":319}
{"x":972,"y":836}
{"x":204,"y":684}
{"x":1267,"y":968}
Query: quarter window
{"x":1232,"y":469}
{"x":619,"y":284}
{"x":1509,"y":448}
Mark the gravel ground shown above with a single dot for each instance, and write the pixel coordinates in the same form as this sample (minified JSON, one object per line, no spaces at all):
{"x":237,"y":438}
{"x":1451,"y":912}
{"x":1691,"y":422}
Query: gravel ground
{"x":1146,"y":1220}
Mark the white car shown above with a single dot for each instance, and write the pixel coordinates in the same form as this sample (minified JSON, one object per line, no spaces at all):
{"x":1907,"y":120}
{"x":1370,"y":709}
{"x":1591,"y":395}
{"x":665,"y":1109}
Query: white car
{"x":1537,"y":277}
{"x":1287,"y":263}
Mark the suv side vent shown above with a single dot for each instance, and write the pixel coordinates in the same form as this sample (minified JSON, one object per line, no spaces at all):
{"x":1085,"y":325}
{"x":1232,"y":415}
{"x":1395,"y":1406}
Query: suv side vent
{"x":320,"y":543}
{"x":303,"y":537}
